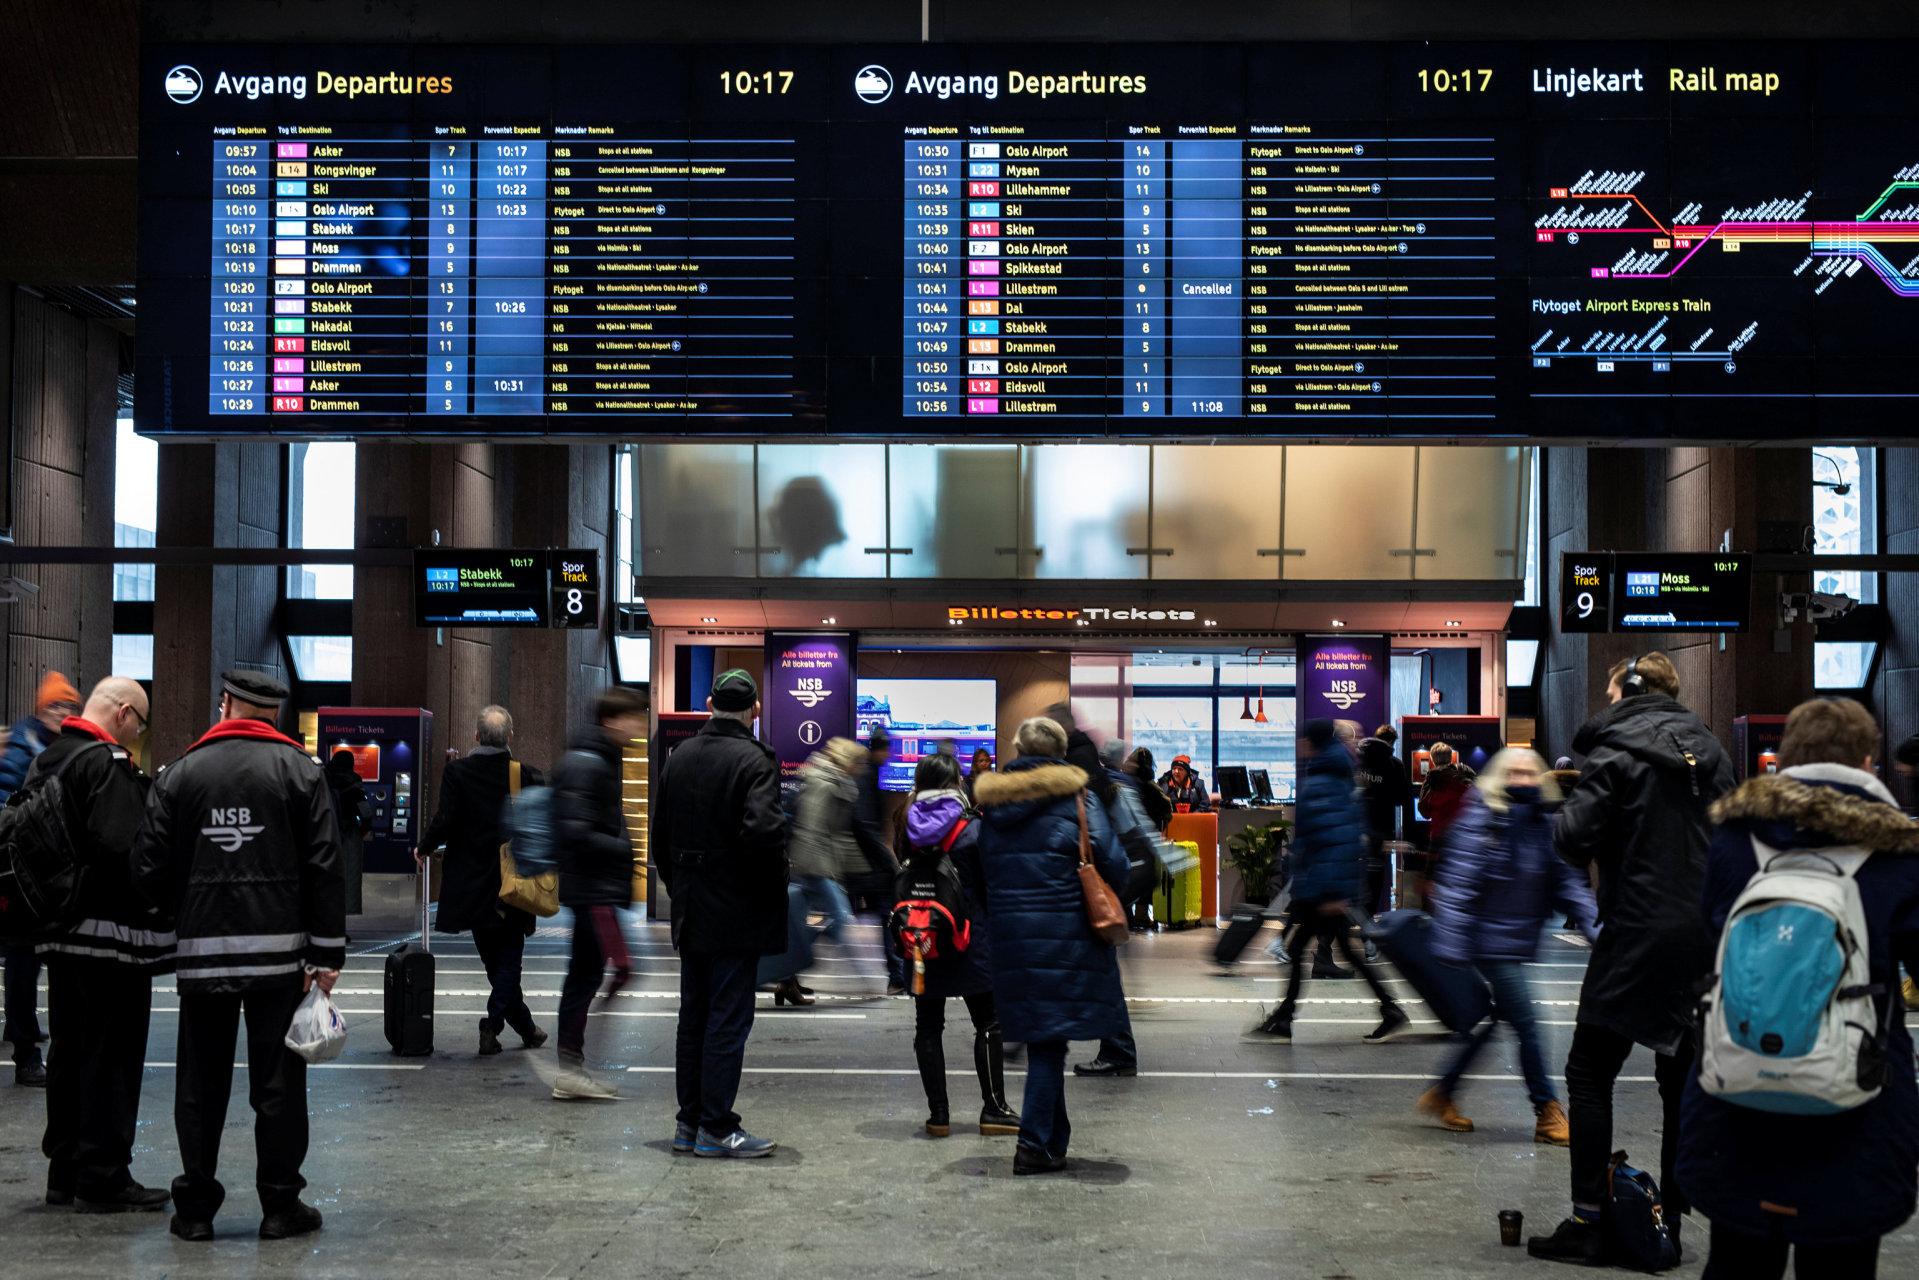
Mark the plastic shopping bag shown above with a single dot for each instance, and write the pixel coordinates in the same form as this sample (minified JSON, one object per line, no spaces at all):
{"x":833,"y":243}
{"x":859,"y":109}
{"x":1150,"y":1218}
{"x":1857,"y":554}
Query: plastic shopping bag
{"x":318,"y":1033}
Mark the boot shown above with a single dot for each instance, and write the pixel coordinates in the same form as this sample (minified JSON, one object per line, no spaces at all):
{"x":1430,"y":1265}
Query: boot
{"x":1437,"y":1103}
{"x":1552,"y":1128}
{"x":989,"y":1059}
{"x":932,"y":1059}
{"x":789,"y":992}
{"x":1323,"y":966}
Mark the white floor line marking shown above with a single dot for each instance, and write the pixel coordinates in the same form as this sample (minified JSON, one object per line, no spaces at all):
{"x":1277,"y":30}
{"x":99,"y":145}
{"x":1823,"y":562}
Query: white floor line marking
{"x":618,"y":1013}
{"x":1408,"y":1076}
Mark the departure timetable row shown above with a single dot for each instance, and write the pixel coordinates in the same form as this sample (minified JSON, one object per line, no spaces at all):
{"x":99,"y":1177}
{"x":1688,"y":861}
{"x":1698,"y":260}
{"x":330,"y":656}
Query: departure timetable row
{"x":506,"y":270}
{"x":1198,"y":271}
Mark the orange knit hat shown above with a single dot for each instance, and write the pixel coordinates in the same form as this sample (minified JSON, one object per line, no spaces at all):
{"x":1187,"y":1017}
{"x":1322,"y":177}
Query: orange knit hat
{"x":55,"y":689}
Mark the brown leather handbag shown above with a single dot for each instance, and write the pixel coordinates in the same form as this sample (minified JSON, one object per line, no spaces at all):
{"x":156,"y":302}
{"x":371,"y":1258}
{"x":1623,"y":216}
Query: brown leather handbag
{"x":1103,"y":911}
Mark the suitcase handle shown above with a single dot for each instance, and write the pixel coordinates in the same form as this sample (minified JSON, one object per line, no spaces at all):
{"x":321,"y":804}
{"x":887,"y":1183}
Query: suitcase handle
{"x":426,"y":894}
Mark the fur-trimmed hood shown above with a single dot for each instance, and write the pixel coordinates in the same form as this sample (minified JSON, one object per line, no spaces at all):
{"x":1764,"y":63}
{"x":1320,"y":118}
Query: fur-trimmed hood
{"x":1026,"y":783}
{"x":1823,"y":804}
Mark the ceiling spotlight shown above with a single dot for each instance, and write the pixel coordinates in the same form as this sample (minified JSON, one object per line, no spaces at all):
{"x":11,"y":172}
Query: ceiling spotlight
{"x":709,"y":619}
{"x":1080,"y":623}
{"x":827,"y":622}
{"x":1338,"y":623}
{"x":1211,"y":623}
{"x":952,"y":622}
{"x":1454,"y":622}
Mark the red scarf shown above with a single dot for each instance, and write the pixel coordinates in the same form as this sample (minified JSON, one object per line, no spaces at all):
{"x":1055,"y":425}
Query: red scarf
{"x":258,"y":730}
{"x":89,"y":728}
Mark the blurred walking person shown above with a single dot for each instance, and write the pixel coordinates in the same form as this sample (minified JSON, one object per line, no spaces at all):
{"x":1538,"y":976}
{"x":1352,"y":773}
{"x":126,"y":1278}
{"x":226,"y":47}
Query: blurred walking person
{"x":56,"y":700}
{"x":719,"y":841}
{"x":354,"y":813}
{"x":1500,"y":883}
{"x":824,"y":848}
{"x":1054,"y":980}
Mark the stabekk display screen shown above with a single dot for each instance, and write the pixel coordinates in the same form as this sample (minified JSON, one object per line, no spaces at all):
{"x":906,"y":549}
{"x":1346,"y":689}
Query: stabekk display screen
{"x":1601,"y":240}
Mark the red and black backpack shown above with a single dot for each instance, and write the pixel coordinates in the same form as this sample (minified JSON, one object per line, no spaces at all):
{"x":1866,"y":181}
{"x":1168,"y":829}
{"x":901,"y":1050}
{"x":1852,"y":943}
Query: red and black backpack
{"x":930,"y":919}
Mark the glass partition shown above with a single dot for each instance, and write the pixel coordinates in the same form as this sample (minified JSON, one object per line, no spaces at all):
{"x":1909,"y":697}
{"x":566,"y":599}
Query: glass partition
{"x":1470,"y":513}
{"x":1216,"y":509}
{"x":822,"y":511}
{"x":1084,"y":511}
{"x":1349,"y":512}
{"x":696,"y":511}
{"x":954,"y":510}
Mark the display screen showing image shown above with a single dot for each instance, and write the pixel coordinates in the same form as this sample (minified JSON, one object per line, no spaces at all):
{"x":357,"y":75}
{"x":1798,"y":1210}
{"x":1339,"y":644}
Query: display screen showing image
{"x":925,"y":717}
{"x":1552,"y":240}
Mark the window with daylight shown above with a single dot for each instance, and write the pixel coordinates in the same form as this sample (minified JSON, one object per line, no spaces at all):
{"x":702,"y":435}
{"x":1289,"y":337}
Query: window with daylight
{"x":136,"y":521}
{"x":1845,"y":521}
{"x":320,"y":511}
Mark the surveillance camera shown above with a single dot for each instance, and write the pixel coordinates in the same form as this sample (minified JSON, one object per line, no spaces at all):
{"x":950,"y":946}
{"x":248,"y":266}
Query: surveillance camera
{"x":1818,"y":606}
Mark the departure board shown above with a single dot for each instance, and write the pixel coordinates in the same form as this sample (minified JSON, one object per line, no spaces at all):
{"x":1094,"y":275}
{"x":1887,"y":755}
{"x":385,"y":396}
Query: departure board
{"x":1597,"y":240}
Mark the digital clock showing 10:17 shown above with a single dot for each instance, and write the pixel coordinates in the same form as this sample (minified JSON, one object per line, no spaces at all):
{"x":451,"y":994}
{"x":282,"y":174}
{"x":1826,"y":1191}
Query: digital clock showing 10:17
{"x":1455,"y":79}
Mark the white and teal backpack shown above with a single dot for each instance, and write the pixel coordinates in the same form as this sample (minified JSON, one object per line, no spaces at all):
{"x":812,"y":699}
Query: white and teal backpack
{"x":1789,"y":1024}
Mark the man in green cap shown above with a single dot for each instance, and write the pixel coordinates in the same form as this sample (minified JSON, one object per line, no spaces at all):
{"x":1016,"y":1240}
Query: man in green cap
{"x":719,"y":841}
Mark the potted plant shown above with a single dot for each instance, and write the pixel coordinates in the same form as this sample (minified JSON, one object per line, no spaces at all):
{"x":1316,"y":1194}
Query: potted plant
{"x":1256,"y":853}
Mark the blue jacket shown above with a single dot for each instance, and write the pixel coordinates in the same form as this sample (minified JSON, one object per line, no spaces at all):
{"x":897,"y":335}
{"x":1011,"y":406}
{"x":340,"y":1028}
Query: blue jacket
{"x":1847,"y":1177}
{"x":1052,"y":979}
{"x":1499,"y":881}
{"x":1329,"y":831}
{"x":29,"y":739}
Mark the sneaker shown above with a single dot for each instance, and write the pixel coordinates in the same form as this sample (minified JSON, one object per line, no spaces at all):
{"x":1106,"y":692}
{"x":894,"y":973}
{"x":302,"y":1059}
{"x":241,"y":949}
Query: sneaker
{"x":489,"y":1040}
{"x":191,"y":1228}
{"x":1577,"y":1240}
{"x":1391,"y":1023}
{"x":1372,"y":953}
{"x":1278,"y":950}
{"x":532,"y":1038}
{"x":683,"y":1138}
{"x":737,"y":1145}
{"x":1276,"y":1028}
{"x":300,"y":1220}
{"x":1552,"y":1128}
{"x":131,"y":1198}
{"x":1437,"y":1103}
{"x":575,"y":1085}
{"x":30,"y":1075}
{"x":1030,"y":1160}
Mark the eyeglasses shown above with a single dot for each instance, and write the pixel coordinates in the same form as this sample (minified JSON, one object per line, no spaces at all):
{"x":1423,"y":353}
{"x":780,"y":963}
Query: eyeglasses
{"x":137,"y":715}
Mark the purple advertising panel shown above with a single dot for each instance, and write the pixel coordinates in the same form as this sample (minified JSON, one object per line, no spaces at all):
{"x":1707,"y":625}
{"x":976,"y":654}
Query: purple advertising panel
{"x":808,"y":694}
{"x":1344,"y":678}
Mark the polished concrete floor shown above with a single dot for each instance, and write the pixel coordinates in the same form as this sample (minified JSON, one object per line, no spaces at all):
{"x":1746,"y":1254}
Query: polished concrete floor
{"x":1224,"y":1158}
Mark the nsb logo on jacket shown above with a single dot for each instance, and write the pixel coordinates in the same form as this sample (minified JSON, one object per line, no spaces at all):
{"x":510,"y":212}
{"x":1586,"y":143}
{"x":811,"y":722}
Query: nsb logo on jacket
{"x":230,"y":828}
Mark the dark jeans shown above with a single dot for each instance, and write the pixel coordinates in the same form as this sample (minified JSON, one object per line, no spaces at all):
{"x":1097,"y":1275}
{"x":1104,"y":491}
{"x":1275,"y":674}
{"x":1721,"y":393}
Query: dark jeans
{"x":502,"y":949}
{"x":1312,"y":926}
{"x":1120,"y":1049}
{"x":1043,"y":1121}
{"x":597,"y":942}
{"x":276,"y":1088}
{"x":23,"y":1004}
{"x":716,"y":1016}
{"x":1591,"y":1068}
{"x":1513,"y":1005}
{"x":1738,"y":1256}
{"x":99,"y":1010}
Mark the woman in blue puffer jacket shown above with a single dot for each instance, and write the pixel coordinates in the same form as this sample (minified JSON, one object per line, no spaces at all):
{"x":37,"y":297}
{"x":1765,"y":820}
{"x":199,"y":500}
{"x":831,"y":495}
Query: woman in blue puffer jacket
{"x":1498,"y":884}
{"x":1053,"y":979}
{"x":939,"y":829}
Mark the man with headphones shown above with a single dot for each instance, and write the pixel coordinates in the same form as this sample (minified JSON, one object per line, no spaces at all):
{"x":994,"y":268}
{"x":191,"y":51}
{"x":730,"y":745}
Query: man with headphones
{"x":1640,"y":813}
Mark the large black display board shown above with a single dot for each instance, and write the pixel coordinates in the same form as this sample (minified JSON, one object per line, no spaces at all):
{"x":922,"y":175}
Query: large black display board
{"x":1548,"y":240}
{"x":1603,"y":591}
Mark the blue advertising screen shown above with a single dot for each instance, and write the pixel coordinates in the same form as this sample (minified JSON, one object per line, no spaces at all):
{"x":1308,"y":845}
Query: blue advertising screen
{"x":922,"y":717}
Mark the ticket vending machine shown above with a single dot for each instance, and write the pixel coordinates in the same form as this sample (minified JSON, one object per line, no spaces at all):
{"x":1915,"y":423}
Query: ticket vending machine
{"x":392,"y":752}
{"x":1755,"y":744}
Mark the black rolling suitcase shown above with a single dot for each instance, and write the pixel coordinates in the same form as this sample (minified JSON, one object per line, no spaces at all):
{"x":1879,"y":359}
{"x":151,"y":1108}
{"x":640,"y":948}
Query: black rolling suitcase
{"x":1240,"y":930}
{"x":1455,"y":993}
{"x":409,"y":989}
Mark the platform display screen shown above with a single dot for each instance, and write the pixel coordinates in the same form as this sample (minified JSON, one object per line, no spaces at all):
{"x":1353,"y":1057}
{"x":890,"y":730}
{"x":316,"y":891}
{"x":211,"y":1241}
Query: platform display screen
{"x":1672,"y":591}
{"x":1582,"y":240}
{"x":534,"y":587}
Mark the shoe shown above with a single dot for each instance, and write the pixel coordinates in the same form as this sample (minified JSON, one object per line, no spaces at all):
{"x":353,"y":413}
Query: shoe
{"x":532,"y":1039}
{"x":1278,"y":951}
{"x":1331,"y":972}
{"x":938,"y":1122}
{"x":1276,"y":1027}
{"x":1552,"y":1128}
{"x":1029,"y":1159}
{"x":30,"y":1075}
{"x":737,"y":1145}
{"x":489,"y":1041}
{"x":1372,"y":953}
{"x":300,"y":1220}
{"x":805,"y":991}
{"x":895,"y":988}
{"x":1391,"y":1023}
{"x":683,"y":1137}
{"x":1576,"y":1240}
{"x":1101,"y":1067}
{"x":1440,"y":1106}
{"x":131,"y":1198}
{"x":789,"y":992}
{"x":59,"y":1197}
{"x":997,"y":1120}
{"x":575,"y":1085}
{"x":190,"y":1228}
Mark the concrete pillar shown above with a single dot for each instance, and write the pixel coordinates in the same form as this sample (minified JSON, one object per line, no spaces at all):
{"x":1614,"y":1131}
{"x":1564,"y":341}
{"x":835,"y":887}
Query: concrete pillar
{"x":1895,"y":692}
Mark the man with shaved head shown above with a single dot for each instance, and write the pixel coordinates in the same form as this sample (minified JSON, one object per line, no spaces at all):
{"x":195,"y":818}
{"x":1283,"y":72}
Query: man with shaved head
{"x":100,"y":971}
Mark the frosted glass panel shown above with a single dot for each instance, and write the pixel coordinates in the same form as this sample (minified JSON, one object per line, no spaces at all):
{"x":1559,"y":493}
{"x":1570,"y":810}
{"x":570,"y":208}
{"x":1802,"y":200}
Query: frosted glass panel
{"x":1469,"y":512}
{"x":822,"y":511}
{"x":1085,"y":504}
{"x":1216,"y":507}
{"x":696,"y":510}
{"x":956,"y":508}
{"x":1348,"y":507}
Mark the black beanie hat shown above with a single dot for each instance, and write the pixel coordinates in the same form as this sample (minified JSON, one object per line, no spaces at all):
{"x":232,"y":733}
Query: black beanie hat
{"x":734,"y":690}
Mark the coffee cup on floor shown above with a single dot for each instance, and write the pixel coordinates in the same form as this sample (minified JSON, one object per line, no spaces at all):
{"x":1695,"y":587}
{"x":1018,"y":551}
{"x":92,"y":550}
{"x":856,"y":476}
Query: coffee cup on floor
{"x":1510,"y":1222}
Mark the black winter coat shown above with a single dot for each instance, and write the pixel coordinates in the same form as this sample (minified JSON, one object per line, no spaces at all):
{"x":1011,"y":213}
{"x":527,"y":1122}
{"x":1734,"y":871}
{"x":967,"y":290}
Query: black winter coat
{"x":589,"y":826}
{"x":719,"y":842}
{"x":1383,"y":786}
{"x":106,"y":798}
{"x":241,"y":848}
{"x":468,"y":826}
{"x":1639,"y":810}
